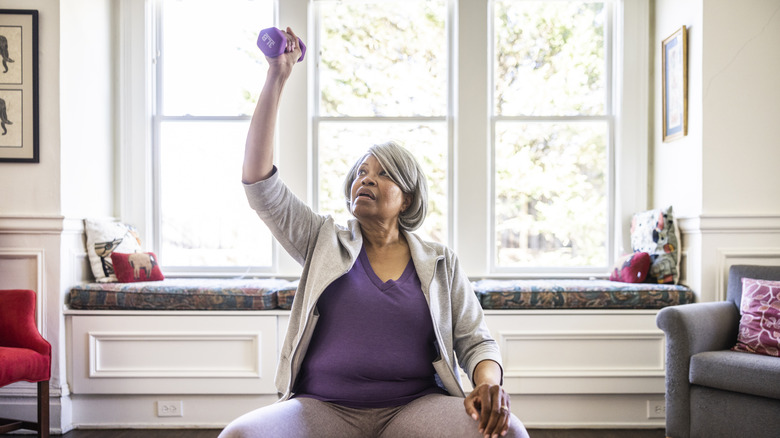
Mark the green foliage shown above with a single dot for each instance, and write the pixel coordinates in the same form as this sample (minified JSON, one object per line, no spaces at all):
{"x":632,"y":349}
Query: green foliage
{"x":551,"y":201}
{"x":381,"y":58}
{"x":549,"y":58}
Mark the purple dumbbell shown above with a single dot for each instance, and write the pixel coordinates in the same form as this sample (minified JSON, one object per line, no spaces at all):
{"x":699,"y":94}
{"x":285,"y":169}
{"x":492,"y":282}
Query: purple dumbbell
{"x":273,"y":42}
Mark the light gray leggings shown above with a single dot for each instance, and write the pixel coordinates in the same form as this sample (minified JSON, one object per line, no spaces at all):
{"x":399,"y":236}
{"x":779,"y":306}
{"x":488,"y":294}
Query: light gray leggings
{"x":433,"y":415}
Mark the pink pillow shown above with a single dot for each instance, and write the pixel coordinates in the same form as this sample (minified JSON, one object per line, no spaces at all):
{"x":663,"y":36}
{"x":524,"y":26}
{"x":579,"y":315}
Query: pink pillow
{"x":759,"y":327}
{"x":137,"y":266}
{"x":631,"y":268}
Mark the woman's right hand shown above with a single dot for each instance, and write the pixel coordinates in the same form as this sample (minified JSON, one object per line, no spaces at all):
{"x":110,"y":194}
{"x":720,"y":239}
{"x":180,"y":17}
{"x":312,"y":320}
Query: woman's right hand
{"x":283,"y":64}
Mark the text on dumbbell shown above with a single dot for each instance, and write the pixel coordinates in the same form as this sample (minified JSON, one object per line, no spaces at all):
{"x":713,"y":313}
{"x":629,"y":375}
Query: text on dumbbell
{"x":268,"y":40}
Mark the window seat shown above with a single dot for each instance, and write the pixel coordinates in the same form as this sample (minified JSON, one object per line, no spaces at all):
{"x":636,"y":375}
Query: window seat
{"x":568,"y":343}
{"x":179,"y":294}
{"x":579,"y":294}
{"x":271,"y":294}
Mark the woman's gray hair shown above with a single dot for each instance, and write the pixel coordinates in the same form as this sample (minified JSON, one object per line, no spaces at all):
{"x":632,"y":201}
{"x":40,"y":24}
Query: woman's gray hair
{"x":405,"y":171}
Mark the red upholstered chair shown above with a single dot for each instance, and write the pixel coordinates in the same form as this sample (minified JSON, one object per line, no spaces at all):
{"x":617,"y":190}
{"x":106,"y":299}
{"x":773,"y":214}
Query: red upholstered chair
{"x":24,"y":355}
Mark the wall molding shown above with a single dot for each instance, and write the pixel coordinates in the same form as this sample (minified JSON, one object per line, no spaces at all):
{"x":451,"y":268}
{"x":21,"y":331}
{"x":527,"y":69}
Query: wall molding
{"x":36,"y":255}
{"x":736,"y":223}
{"x":727,"y":257}
{"x":28,"y":224}
{"x":601,"y":343}
{"x":103,"y":345}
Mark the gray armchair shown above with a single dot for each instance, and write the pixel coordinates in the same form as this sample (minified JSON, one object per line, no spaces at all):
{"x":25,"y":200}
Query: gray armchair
{"x":711,"y":391}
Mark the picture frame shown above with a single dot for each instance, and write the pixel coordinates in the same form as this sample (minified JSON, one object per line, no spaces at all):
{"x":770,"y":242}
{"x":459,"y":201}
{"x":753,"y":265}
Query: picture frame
{"x":674,"y":53}
{"x":19,"y":86}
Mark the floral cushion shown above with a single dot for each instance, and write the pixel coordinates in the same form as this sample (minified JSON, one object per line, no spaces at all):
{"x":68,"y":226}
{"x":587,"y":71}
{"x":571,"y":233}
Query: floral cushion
{"x":655,"y":232}
{"x":178,"y":294}
{"x":759,"y":326}
{"x":285,"y":295}
{"x":578,"y":294}
{"x":269,"y":294}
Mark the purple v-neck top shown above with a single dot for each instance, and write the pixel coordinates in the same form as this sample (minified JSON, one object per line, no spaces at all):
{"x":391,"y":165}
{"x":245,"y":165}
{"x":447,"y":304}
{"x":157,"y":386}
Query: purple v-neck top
{"x":374,"y":343}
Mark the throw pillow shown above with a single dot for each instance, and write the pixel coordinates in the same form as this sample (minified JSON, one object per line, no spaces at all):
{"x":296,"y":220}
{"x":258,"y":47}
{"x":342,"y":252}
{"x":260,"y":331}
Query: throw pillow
{"x":759,"y":326}
{"x":631,"y":268}
{"x":105,"y":237}
{"x":137,"y":266}
{"x":655,"y":232}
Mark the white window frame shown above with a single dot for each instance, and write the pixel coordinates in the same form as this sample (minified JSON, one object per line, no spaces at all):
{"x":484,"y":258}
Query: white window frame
{"x":470,"y":125}
{"x":317,"y":118}
{"x":612,"y":39}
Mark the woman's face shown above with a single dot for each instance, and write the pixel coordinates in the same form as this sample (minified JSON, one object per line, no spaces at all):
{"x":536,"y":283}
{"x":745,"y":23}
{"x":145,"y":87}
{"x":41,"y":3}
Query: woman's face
{"x":374,"y":194}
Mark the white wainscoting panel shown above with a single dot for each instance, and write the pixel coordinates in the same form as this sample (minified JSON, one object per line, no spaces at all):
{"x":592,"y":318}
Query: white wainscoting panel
{"x":22,"y":268}
{"x":122,"y":353}
{"x":171,"y":354}
{"x":713,"y":243}
{"x":582,"y":354}
{"x":580,"y":351}
{"x":727,"y":257}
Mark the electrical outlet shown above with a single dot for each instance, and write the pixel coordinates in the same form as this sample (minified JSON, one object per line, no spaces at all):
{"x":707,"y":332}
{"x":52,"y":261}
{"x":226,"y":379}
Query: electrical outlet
{"x":656,"y":409}
{"x":170,"y":408}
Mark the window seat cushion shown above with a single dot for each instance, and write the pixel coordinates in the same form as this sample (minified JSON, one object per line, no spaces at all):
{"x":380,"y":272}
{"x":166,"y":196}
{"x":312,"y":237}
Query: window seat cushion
{"x":268,"y":294}
{"x":579,"y":294}
{"x":179,"y":294}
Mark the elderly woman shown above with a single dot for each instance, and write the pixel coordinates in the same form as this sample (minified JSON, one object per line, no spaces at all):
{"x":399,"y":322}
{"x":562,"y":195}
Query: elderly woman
{"x":379,"y":316}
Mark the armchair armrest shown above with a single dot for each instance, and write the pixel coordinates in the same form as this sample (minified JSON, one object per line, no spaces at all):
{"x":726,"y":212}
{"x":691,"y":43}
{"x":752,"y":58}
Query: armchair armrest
{"x":691,"y":329}
{"x":698,"y":327}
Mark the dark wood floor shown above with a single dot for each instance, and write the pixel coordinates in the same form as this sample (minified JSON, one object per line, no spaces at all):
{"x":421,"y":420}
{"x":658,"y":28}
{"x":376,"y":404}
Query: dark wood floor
{"x":209,"y":433}
{"x":596,"y":433}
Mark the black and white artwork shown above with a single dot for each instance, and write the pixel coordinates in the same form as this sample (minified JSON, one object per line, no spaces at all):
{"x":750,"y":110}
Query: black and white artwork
{"x":19,"y":85}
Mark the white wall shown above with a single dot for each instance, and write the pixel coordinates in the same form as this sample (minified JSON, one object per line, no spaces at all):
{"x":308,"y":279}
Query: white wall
{"x":741,"y":107}
{"x":677,"y":166}
{"x":722,"y":178}
{"x":87,"y":109}
{"x":34,"y":189}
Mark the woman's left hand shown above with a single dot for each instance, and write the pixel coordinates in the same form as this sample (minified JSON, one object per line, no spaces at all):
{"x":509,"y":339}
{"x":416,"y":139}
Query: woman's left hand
{"x":489,"y":404}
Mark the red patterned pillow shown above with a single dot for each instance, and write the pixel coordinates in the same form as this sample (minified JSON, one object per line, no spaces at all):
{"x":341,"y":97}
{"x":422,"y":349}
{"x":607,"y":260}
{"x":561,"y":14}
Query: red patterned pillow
{"x":137,"y":266}
{"x":631,"y":268}
{"x":759,"y":327}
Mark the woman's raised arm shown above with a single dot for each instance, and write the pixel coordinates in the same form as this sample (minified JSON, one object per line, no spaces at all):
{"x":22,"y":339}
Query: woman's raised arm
{"x":259,"y":149}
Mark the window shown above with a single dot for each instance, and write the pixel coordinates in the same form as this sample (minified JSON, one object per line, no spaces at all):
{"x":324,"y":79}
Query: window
{"x":552,"y":123}
{"x":208,"y":76}
{"x":382,"y":75}
{"x":528,"y":116}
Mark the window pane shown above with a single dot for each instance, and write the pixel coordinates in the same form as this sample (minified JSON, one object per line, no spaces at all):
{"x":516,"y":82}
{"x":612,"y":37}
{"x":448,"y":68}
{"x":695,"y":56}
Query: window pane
{"x":206,"y":220}
{"x":211,"y":64}
{"x":341,"y":144}
{"x":381,"y":58}
{"x":551,"y":201}
{"x":549,"y":58}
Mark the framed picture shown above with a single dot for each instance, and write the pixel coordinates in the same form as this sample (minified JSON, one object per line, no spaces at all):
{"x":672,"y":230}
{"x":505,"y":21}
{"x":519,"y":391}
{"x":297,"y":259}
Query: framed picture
{"x":19,"y":85}
{"x":675,"y":85}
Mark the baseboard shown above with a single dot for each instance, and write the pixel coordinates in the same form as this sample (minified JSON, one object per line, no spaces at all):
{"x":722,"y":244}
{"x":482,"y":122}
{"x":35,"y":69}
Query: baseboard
{"x":586,"y":411}
{"x":140,"y":411}
{"x":575,"y":411}
{"x":24,"y":407}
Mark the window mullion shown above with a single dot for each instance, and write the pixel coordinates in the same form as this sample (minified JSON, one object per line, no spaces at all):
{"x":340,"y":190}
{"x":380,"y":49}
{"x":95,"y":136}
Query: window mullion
{"x":472,"y":169}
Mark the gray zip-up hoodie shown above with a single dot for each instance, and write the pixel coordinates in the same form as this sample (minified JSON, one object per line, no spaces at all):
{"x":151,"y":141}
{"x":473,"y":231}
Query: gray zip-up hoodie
{"x":327,"y":251}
